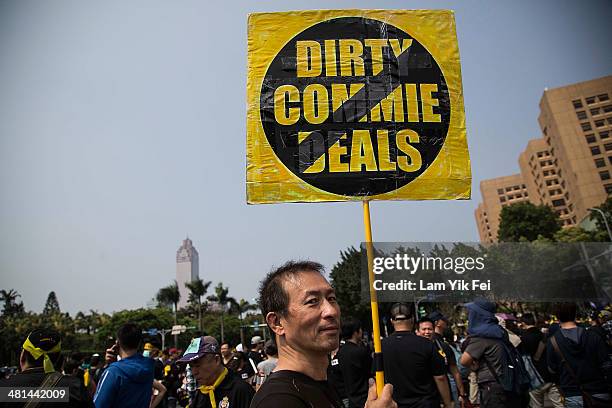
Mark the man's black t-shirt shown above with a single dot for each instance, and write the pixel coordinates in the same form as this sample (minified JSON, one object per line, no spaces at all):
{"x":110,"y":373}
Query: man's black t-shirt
{"x":255,"y":356}
{"x":449,"y":355}
{"x":356,"y":365}
{"x":34,"y":377}
{"x":296,"y":390}
{"x":159,"y":370}
{"x":334,"y":375}
{"x":410,"y":364}
{"x":530,"y":338}
{"x":232,"y":392}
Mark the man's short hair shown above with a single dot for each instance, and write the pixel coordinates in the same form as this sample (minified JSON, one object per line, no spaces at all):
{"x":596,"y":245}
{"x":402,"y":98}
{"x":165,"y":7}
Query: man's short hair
{"x":566,"y":312}
{"x":349,"y":326}
{"x":435,"y":316}
{"x":424,"y":320}
{"x":401,"y":311}
{"x":528,"y":319}
{"x":129,"y":336}
{"x":45,"y":339}
{"x":272,"y":294}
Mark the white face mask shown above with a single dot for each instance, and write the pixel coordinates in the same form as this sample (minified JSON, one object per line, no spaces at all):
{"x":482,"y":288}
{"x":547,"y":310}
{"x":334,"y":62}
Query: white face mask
{"x":146,"y":353}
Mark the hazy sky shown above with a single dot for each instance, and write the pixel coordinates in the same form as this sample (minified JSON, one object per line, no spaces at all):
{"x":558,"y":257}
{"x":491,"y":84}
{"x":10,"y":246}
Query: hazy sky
{"x":122,"y":129}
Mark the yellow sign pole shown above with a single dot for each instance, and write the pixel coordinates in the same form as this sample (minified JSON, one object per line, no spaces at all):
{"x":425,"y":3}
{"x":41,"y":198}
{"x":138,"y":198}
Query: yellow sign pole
{"x":380,"y":375}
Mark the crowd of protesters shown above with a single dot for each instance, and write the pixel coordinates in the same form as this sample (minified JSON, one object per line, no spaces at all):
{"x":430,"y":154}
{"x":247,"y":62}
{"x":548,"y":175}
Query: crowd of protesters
{"x":495,"y":360}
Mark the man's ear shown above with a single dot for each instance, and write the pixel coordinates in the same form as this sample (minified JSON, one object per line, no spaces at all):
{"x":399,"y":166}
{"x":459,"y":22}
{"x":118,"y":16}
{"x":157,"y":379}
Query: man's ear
{"x":273,"y":320}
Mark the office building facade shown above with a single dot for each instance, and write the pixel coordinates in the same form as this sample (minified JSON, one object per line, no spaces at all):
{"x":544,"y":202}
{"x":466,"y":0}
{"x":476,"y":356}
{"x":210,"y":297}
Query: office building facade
{"x":569,"y":168}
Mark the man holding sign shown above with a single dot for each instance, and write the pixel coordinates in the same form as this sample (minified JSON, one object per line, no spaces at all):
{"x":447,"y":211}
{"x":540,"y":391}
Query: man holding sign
{"x":350,"y":105}
{"x":300,"y":308}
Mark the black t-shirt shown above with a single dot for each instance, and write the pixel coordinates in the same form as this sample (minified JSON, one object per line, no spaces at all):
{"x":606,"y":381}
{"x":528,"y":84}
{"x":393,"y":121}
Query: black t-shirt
{"x":355,"y":364}
{"x":444,"y":348}
{"x":232,"y":392}
{"x":410,"y":363}
{"x":255,"y":356}
{"x":159,"y":370}
{"x":296,"y":390}
{"x":241,"y":366}
{"x":334,"y":376}
{"x":34,"y":378}
{"x":530,"y":338}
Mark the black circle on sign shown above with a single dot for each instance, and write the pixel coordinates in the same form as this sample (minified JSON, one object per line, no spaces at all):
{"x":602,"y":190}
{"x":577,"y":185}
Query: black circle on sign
{"x":415,"y":66}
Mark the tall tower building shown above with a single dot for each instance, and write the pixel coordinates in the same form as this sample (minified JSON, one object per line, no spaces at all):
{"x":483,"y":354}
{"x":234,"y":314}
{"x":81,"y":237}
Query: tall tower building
{"x":569,"y":168}
{"x":187,"y":268}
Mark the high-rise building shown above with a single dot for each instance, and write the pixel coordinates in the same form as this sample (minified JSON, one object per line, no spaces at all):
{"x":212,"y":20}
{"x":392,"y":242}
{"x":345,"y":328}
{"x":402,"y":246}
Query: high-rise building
{"x":187,"y":268}
{"x":543,"y":179}
{"x":497,"y":193}
{"x":569,"y":168}
{"x":576,"y":121}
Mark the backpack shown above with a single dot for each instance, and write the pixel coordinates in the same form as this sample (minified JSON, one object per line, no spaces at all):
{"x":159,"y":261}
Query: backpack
{"x":535,"y":380}
{"x":514,"y":377}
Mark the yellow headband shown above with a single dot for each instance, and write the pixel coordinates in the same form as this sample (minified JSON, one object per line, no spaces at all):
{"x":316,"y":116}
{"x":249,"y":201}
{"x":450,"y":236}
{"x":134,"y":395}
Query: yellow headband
{"x":36,"y":352}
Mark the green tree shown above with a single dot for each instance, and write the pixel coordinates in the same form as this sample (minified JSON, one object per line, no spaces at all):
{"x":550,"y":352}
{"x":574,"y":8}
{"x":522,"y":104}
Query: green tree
{"x":346,"y":279}
{"x":11,"y":307}
{"x":82,"y":323}
{"x":197,"y":289}
{"x":169,"y":295}
{"x":222,"y":300}
{"x":575,"y":234}
{"x":606,"y":208}
{"x":243,"y":306}
{"x":97,"y":320}
{"x":13,"y":331}
{"x":160,"y":318}
{"x":526,"y":221}
{"x":52,"y":305}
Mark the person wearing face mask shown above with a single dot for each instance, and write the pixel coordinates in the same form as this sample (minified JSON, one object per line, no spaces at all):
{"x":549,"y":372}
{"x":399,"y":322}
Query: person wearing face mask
{"x":151,"y":351}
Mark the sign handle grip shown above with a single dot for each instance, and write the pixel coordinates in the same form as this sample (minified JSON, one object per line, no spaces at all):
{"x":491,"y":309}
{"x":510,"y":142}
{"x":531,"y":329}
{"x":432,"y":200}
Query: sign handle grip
{"x":380,"y":375}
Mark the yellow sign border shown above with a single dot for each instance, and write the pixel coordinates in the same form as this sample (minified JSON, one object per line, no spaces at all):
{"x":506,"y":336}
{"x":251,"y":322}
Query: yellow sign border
{"x":269,"y":181}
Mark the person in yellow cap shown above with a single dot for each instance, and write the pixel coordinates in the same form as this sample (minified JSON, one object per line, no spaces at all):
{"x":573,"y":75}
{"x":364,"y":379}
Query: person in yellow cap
{"x":151,"y":351}
{"x":217,"y":386}
{"x":41,"y":363}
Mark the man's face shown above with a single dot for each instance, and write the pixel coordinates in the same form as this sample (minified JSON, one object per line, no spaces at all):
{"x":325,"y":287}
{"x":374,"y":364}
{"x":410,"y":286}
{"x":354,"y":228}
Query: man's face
{"x":225,"y":350}
{"x":312,"y":321}
{"x":441,"y":325}
{"x":425,"y":330}
{"x":206,"y":369}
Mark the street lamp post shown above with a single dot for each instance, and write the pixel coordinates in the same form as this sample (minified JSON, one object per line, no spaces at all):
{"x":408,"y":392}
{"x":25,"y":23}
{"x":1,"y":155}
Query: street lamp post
{"x":603,"y":215}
